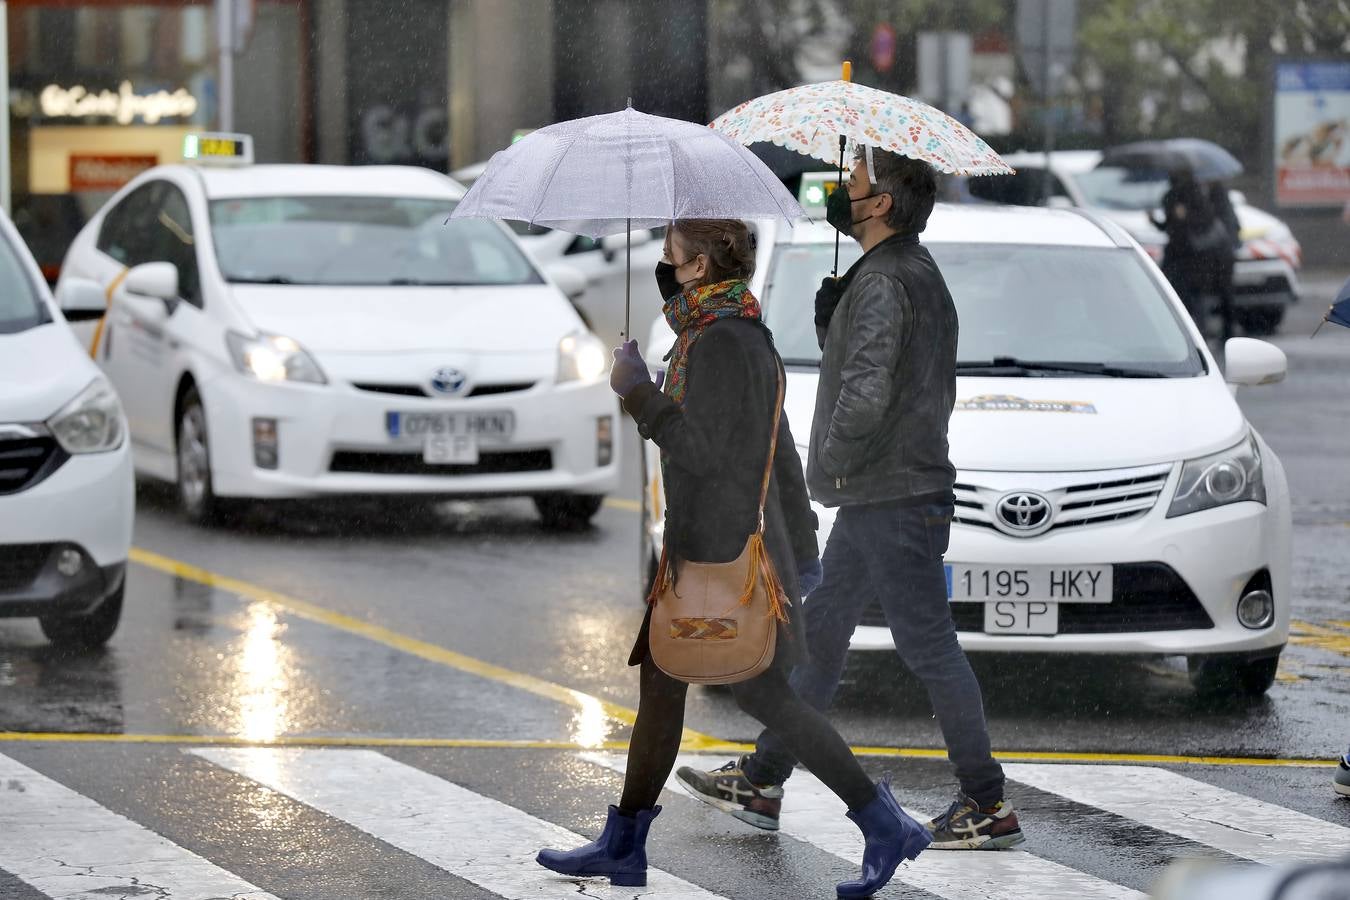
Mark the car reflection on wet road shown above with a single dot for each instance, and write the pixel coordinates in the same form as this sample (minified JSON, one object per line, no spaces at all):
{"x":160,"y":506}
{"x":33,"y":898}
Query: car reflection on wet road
{"x":461,"y":654}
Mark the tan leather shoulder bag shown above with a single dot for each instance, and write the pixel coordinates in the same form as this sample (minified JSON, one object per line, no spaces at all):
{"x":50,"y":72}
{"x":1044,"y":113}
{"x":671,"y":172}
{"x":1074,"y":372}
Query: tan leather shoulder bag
{"x":717,"y":623}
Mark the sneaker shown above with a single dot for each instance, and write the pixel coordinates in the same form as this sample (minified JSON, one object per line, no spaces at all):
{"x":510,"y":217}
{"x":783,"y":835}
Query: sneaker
{"x":730,"y":791}
{"x":1342,"y":782}
{"x":967,"y":826}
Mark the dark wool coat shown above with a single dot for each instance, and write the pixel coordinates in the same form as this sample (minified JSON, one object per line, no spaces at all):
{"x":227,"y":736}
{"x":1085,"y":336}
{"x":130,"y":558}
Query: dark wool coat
{"x":713,"y":452}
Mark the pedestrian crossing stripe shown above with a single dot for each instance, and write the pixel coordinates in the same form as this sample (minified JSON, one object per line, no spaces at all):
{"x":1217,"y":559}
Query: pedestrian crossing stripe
{"x":813,"y":814}
{"x":69,"y":847}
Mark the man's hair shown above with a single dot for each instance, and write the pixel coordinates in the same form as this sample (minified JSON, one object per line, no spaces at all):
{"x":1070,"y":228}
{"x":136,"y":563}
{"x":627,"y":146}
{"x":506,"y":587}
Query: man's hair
{"x":912,"y":184}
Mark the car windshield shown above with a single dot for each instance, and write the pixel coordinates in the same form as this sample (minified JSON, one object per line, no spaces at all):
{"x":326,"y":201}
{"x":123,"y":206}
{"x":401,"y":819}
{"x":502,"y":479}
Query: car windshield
{"x":20,"y":306}
{"x":1025,"y":310}
{"x":331,"y":240}
{"x":1110,"y":187}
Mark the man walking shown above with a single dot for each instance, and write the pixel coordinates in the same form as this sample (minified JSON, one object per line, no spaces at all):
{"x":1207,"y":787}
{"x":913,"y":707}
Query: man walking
{"x":878,"y":451}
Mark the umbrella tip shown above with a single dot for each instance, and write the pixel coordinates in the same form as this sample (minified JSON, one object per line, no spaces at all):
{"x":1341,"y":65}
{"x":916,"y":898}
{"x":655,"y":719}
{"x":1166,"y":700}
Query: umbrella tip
{"x":848,"y":70}
{"x":630,"y":102}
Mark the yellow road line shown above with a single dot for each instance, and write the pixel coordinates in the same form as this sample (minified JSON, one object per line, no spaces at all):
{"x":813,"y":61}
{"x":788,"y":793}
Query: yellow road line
{"x":1335,"y":639}
{"x":390,"y":638}
{"x":625,"y":505}
{"x":712,"y":747}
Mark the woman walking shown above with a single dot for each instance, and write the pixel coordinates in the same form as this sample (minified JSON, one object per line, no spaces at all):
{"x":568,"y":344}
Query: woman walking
{"x":1198,"y":258}
{"x":712,"y":424}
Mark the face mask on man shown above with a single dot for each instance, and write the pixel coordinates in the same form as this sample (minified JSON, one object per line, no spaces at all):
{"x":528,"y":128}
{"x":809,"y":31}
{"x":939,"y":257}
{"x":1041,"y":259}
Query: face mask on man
{"x":839,"y":210}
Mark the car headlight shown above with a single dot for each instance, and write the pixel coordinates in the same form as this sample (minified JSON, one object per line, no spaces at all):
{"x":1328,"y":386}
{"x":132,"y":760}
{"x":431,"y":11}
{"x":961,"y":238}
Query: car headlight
{"x":1228,"y":477}
{"x":581,"y":357}
{"x":271,"y":357}
{"x":91,"y":423}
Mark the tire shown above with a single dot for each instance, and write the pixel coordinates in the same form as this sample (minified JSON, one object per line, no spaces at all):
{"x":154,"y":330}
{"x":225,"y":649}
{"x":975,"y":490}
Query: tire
{"x":88,"y":631}
{"x":568,"y":512}
{"x":1261,"y":321}
{"x":1223,"y":676}
{"x":196,"y":493}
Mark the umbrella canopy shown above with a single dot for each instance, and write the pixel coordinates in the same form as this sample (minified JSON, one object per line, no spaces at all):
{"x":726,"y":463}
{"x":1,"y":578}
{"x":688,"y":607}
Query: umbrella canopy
{"x":810,"y":119}
{"x":1206,"y":159}
{"x":612,"y":173}
{"x":1339,"y":313}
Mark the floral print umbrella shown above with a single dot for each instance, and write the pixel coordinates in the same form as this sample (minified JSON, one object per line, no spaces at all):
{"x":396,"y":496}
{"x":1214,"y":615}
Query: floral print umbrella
{"x":810,"y":119}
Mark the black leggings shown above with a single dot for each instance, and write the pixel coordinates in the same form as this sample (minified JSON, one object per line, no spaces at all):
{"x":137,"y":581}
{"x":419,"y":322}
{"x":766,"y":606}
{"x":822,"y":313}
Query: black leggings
{"x":807,"y":733}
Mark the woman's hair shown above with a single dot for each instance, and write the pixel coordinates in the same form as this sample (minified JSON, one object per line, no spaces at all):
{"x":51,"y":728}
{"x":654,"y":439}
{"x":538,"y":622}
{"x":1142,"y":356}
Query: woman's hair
{"x":727,"y":243}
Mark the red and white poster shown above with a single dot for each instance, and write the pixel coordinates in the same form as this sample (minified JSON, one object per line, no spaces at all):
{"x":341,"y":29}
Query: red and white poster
{"x":102,"y":172}
{"x":1312,"y":133}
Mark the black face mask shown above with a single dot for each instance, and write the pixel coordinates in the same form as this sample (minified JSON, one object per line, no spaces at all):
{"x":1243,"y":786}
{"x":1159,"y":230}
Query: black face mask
{"x":666,"y":281}
{"x":839,"y":210}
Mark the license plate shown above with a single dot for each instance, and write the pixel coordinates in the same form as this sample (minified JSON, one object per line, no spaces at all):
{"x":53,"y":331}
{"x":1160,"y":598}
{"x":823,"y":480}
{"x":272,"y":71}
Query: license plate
{"x":421,"y":425}
{"x":1043,"y":584}
{"x":1011,"y":617}
{"x":450,"y":450}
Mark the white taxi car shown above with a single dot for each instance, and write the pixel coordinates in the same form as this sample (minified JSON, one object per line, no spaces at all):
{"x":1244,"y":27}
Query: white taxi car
{"x":1265,"y":273}
{"x":309,"y":331}
{"x":1111,"y":496}
{"x":66,"y":489}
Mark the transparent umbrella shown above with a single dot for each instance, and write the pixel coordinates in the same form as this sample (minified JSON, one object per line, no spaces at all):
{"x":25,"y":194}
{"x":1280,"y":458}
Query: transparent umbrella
{"x":605,"y":174}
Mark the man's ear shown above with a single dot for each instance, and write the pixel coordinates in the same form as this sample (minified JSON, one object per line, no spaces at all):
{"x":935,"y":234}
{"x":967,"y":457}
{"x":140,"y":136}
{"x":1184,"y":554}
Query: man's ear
{"x":885,"y":203}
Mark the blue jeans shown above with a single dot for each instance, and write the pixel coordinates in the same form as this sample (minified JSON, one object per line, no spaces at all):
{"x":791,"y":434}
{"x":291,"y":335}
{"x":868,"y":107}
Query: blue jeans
{"x":892,"y":553}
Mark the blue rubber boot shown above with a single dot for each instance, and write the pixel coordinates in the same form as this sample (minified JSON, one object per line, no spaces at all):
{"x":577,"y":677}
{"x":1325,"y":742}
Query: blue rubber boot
{"x":892,"y":837}
{"x":619,"y":853}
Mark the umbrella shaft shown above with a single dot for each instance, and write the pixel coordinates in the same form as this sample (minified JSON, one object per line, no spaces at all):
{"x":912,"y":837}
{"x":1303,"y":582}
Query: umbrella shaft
{"x":628,"y":280}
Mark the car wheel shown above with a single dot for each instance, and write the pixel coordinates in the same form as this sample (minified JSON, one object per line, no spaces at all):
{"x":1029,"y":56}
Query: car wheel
{"x":1261,"y":321}
{"x":1230,"y":675}
{"x":568,"y":512}
{"x":87,"y":631}
{"x":196,"y":494}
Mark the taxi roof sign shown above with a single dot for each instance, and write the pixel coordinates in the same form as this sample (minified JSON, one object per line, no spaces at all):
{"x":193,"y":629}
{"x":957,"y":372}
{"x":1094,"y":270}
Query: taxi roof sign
{"x":218,"y":149}
{"x":815,"y":190}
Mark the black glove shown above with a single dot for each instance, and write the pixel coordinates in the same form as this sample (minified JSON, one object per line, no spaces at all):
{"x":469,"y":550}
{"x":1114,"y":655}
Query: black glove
{"x":827,"y":298}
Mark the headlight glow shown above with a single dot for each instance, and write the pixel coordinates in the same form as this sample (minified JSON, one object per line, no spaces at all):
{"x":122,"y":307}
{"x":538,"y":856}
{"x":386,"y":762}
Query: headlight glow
{"x":273,"y":358}
{"x":91,"y":423}
{"x":581,"y":357}
{"x":1231,"y":476}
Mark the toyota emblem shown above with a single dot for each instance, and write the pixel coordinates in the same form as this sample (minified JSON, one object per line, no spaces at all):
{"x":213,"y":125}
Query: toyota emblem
{"x":1024,"y":513}
{"x":448,"y":380}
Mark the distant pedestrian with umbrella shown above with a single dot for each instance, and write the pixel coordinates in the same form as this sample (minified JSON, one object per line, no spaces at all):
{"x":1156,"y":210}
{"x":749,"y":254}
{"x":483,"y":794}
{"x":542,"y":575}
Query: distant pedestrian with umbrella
{"x":1199,"y":256}
{"x":878,"y":450}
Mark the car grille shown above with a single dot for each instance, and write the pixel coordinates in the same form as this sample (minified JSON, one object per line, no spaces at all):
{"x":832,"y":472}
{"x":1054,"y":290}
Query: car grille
{"x":24,"y":461}
{"x":1107,"y":497}
{"x":416,"y":390}
{"x":489,"y":463}
{"x":21,"y":563}
{"x":1145,"y":597}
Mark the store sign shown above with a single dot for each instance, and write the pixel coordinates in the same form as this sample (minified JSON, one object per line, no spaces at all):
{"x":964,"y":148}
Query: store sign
{"x":1312,"y":133}
{"x":124,"y":105}
{"x":106,"y":173}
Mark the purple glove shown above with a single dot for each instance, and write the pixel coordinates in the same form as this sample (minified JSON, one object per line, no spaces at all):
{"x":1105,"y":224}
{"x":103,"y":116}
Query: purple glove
{"x":809,"y":575}
{"x":630,"y":370}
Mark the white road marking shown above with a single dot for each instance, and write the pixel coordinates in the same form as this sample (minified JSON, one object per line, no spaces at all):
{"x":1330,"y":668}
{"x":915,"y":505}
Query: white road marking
{"x":1208,"y":815}
{"x":471,"y":836}
{"x":812,"y":813}
{"x":71,"y":848}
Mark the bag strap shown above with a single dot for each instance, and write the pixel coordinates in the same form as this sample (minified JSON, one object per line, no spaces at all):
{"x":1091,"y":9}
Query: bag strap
{"x":773,"y":440}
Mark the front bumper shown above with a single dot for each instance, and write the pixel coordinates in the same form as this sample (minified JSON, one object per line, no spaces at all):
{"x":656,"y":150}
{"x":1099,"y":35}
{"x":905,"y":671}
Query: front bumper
{"x":87,"y":505}
{"x":331,"y":441}
{"x":1212,"y":555}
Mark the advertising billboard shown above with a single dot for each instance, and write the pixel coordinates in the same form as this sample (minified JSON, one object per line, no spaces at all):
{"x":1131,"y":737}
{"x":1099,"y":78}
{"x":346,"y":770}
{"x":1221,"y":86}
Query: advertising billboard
{"x":1312,"y":133}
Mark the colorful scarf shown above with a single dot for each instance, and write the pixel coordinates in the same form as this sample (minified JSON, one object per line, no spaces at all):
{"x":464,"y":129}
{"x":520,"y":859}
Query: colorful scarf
{"x":690,"y":313}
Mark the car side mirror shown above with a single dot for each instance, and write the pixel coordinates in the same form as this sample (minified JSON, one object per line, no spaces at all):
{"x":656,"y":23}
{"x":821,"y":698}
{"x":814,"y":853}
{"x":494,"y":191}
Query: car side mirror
{"x":81,"y":299}
{"x":157,"y":280}
{"x":1248,"y":361}
{"x":614,"y":244}
{"x":569,"y":280}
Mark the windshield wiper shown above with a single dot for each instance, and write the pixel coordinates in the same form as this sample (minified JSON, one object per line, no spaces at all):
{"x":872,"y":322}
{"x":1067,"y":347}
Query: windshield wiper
{"x":270,"y":279}
{"x":1011,"y":366}
{"x":418,"y":282}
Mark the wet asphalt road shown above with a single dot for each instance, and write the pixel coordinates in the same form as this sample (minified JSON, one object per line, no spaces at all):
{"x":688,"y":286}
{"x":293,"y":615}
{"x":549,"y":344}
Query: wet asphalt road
{"x":422,"y":631}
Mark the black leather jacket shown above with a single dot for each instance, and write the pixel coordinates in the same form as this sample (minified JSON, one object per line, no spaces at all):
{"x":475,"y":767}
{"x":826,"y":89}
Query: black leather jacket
{"x":887,"y":383}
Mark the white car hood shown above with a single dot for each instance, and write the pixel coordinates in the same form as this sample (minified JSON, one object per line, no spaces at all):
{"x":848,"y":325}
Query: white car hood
{"x":1071,"y":424}
{"x":41,"y":370}
{"x":506,"y":319}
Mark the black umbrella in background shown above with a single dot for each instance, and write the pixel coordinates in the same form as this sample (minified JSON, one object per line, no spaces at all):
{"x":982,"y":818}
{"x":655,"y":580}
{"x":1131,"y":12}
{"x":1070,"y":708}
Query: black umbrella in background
{"x":1206,"y":159}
